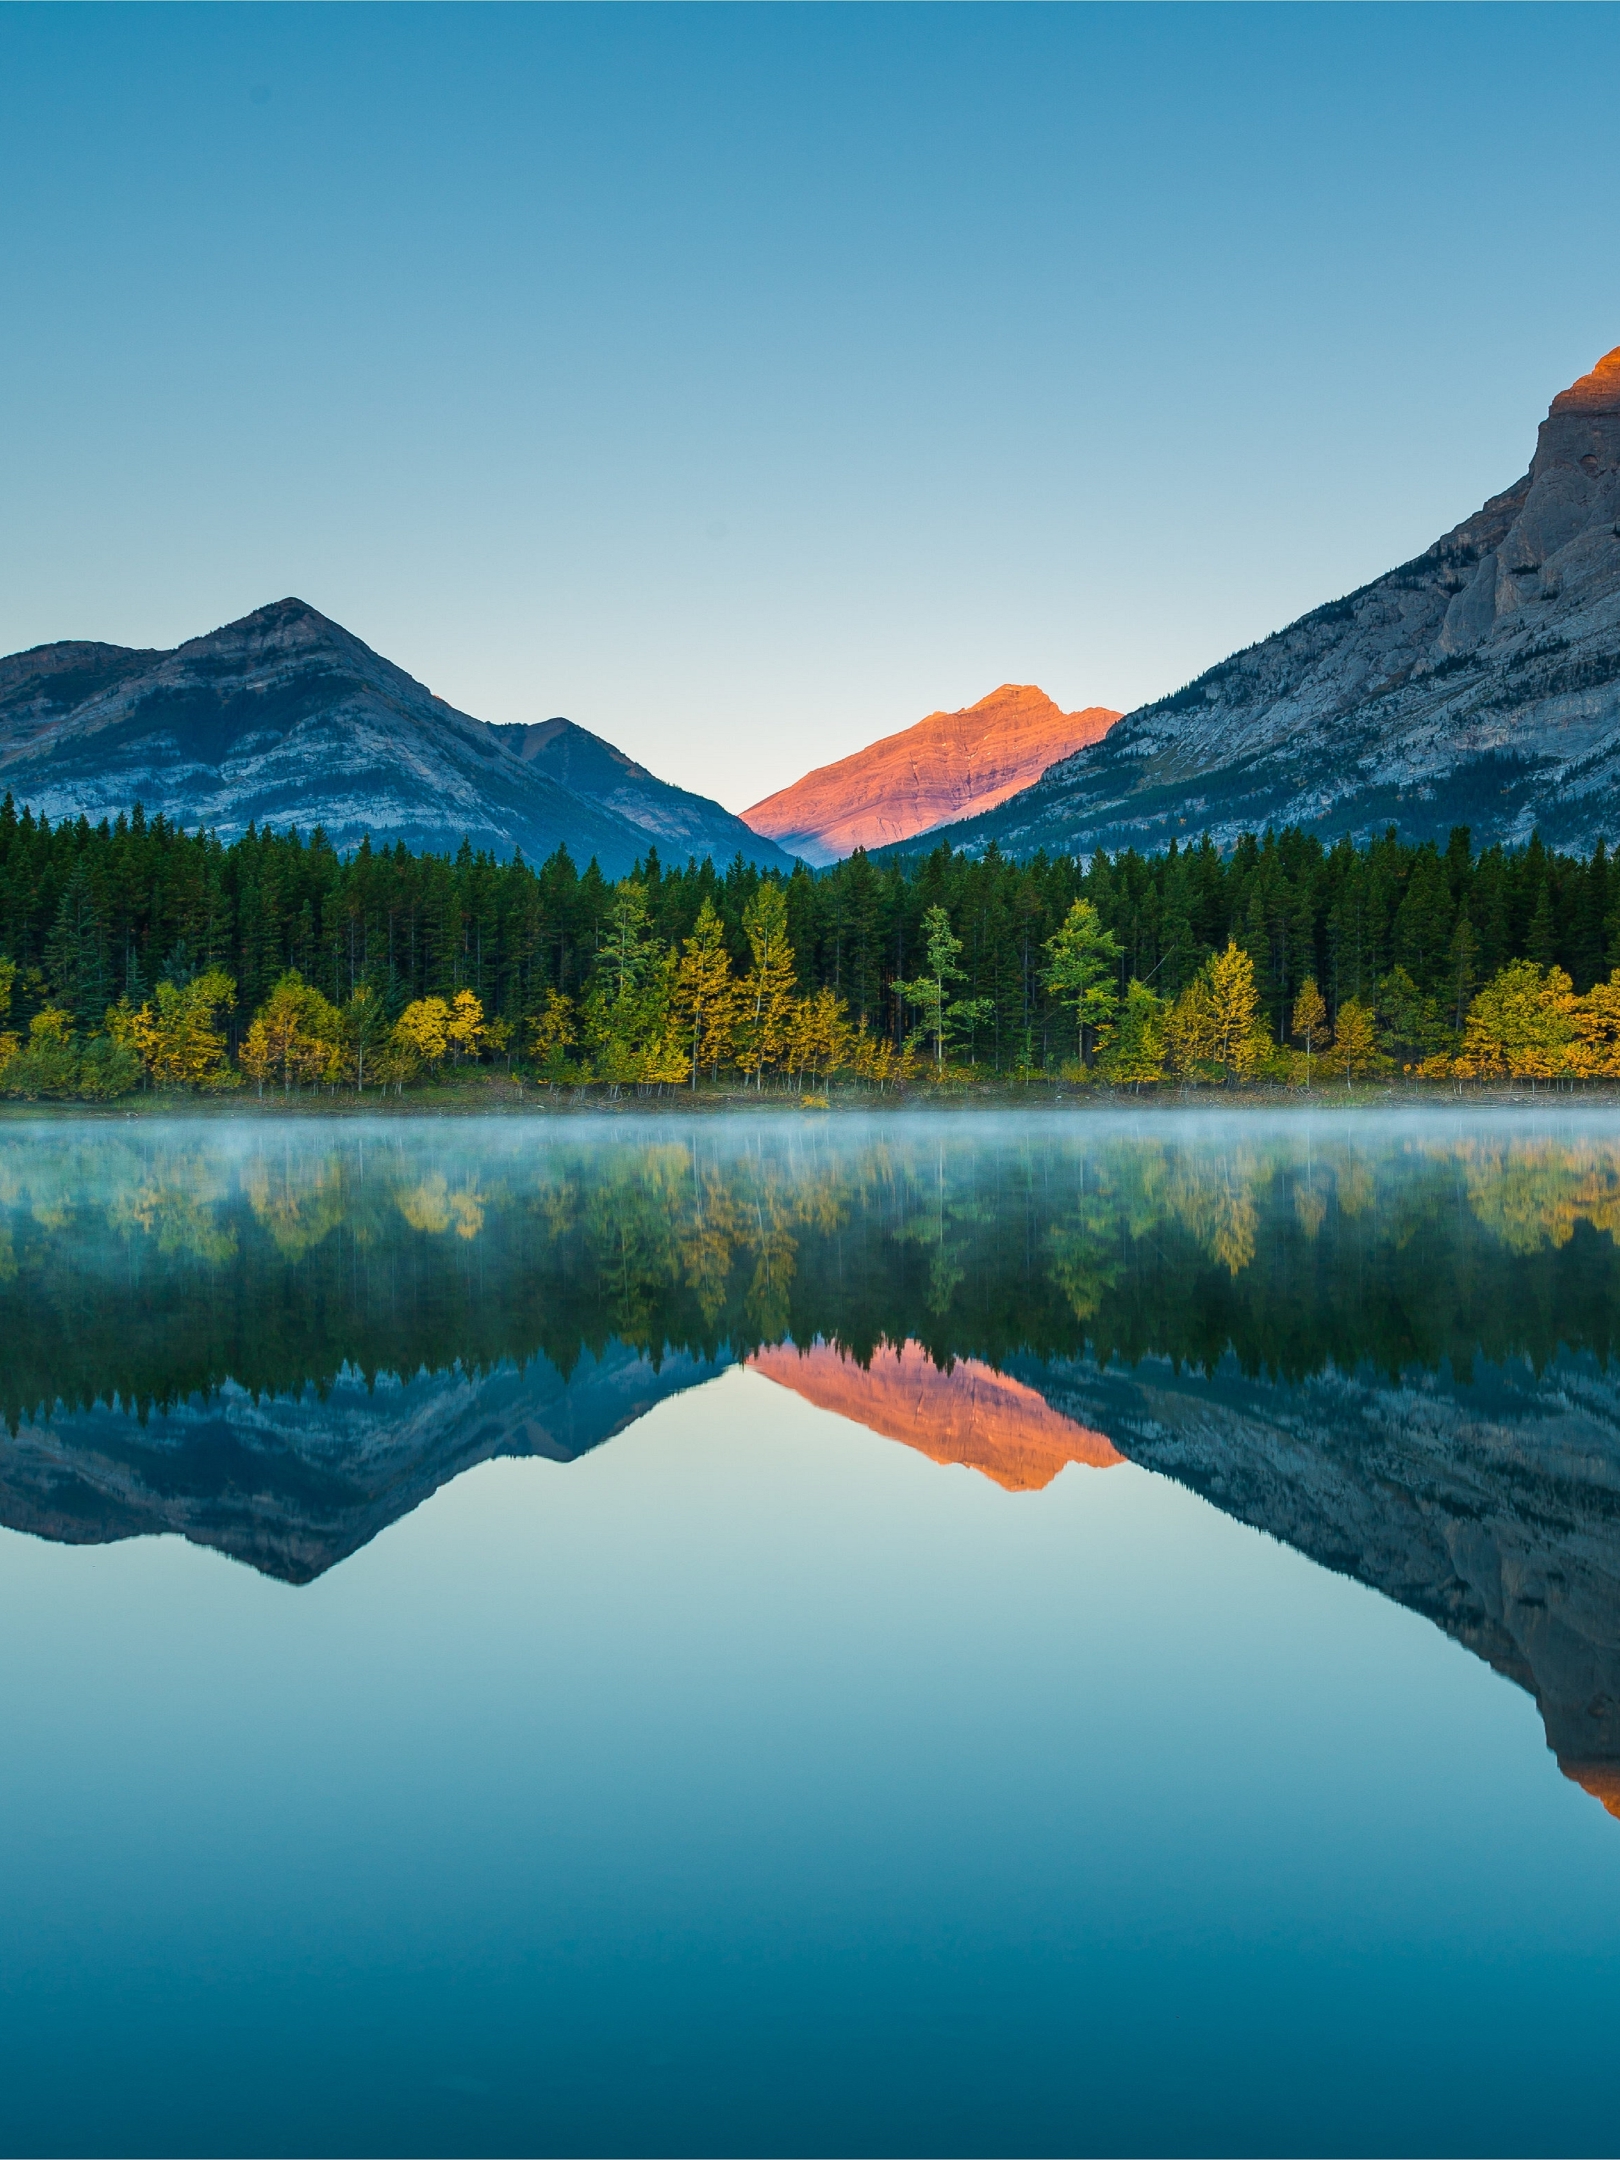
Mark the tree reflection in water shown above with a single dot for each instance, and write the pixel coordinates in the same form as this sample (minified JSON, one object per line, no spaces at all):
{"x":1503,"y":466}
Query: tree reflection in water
{"x":1386,"y":1342}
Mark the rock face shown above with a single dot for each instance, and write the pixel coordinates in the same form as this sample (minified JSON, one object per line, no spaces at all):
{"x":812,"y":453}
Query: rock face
{"x":972,"y":1414}
{"x":1478,"y":684}
{"x":951,"y":765}
{"x":285,"y":718}
{"x":1493,"y":1508}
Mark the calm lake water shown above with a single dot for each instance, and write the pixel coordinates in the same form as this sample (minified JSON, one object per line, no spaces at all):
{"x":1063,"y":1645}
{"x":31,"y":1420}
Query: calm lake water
{"x":919,"y":1635}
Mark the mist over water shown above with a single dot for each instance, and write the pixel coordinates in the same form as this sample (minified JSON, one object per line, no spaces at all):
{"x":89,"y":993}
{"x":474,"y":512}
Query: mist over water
{"x":893,"y":1634}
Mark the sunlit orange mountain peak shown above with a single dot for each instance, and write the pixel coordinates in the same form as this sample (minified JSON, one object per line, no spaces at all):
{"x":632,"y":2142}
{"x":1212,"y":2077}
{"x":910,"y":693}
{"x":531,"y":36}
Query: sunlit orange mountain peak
{"x":1597,"y":392}
{"x":951,"y":765}
{"x":971,"y":1415}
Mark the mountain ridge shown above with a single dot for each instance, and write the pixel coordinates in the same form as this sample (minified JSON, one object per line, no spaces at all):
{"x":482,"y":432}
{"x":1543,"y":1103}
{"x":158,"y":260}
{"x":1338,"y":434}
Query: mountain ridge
{"x":942,"y":765}
{"x":284,"y":717}
{"x":1477,"y":683}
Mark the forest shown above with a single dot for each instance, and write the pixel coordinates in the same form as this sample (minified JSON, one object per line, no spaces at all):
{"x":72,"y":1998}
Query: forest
{"x":135,"y":954}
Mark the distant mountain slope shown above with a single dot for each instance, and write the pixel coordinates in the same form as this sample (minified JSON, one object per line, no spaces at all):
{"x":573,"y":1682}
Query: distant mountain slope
{"x":1478,"y":684}
{"x":948,"y":766}
{"x":683,"y":825}
{"x":286,"y":718}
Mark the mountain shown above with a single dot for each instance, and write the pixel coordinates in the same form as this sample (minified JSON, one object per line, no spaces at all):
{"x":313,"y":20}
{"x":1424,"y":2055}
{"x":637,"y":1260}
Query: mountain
{"x":972,"y":1414}
{"x":292,"y":1483}
{"x":682,"y":825}
{"x":1478,"y":684}
{"x":951,"y":765}
{"x":287,"y":718}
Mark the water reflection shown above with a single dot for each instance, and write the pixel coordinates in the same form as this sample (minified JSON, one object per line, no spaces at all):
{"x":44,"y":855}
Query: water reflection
{"x":1388,"y":1345}
{"x":966,"y":1413}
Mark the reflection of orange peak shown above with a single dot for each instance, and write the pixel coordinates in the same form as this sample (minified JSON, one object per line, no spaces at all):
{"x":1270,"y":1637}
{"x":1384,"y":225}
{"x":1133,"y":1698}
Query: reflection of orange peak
{"x":1600,"y":1779}
{"x":951,"y":765}
{"x":972,"y":1414}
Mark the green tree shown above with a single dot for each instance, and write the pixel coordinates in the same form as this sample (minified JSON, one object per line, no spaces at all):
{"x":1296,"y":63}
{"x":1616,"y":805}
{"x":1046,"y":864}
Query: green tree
{"x":941,"y":1018}
{"x":1082,"y":961}
{"x":1133,"y":1052}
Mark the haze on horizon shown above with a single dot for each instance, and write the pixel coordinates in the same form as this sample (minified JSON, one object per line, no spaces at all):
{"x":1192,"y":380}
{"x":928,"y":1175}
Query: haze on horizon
{"x":746,"y":384}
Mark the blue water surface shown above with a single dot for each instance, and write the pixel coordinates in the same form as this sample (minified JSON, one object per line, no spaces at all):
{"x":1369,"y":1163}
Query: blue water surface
{"x":756,"y":1784}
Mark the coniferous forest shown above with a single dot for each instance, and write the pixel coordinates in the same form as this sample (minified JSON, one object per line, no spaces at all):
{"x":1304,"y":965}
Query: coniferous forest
{"x":134,"y":953}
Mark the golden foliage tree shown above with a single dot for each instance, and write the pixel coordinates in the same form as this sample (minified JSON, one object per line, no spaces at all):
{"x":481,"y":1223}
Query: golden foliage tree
{"x":1214,"y":1027}
{"x":1309,"y":1019}
{"x":552,"y":1034}
{"x":705,"y":1000}
{"x":178,"y":1034}
{"x":465,"y":1027}
{"x":296,"y":1036}
{"x":1523,"y":1024}
{"x":422,"y":1031}
{"x":765,"y":1003}
{"x":1354,"y":1051}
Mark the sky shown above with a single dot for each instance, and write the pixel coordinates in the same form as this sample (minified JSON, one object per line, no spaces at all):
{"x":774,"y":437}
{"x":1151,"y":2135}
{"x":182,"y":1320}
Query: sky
{"x":746,"y":382}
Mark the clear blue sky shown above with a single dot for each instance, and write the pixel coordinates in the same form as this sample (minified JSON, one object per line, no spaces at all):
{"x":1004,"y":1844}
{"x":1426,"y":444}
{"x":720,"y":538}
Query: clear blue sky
{"x":746,"y":382}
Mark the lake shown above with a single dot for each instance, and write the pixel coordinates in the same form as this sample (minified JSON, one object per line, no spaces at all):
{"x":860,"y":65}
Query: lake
{"x":912,"y":1634}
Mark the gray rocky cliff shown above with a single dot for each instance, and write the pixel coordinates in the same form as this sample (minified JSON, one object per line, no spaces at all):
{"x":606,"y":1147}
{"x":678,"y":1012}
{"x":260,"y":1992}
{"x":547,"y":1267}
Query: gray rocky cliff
{"x":1478,"y":684}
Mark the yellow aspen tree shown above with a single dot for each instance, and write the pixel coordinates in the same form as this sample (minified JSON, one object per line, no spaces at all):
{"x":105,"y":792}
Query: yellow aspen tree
{"x":1309,"y":1018}
{"x":256,"y":1057}
{"x":1355,"y":1051}
{"x":706,"y":993}
{"x":552,"y":1032}
{"x":766,"y":998}
{"x":423,"y":1030}
{"x":1595,"y":1052}
{"x":178,"y":1034}
{"x":1522,"y":1024}
{"x":1236,"y":1035}
{"x":464,"y":1028}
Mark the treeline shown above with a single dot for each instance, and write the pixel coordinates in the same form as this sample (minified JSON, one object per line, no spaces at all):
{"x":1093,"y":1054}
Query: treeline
{"x":935,"y":962}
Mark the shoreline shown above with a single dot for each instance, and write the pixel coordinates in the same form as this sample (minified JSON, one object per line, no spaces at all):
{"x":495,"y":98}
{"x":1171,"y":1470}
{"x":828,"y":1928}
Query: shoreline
{"x":506,"y":1100}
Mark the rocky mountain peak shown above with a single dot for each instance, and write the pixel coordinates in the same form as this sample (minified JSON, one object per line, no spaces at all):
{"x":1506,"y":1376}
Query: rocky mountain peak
{"x":1477,"y":683}
{"x":949,"y":765}
{"x":1597,"y":392}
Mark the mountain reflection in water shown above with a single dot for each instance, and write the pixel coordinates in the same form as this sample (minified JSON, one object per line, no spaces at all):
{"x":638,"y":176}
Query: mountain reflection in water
{"x":1386,"y":1343}
{"x":969,"y":1414}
